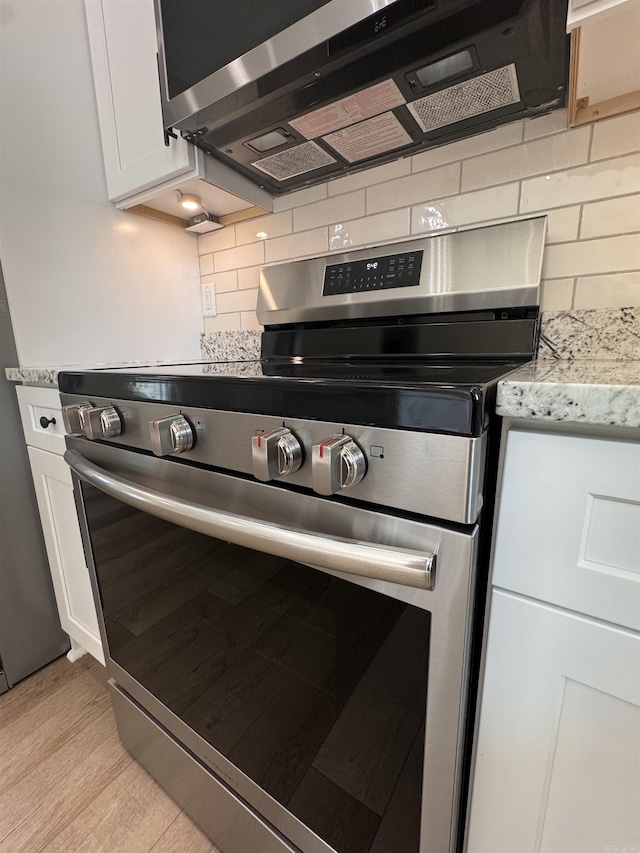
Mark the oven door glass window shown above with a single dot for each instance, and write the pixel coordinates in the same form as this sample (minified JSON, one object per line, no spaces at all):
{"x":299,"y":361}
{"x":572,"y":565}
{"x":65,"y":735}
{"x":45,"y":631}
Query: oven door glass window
{"x":313,"y":686}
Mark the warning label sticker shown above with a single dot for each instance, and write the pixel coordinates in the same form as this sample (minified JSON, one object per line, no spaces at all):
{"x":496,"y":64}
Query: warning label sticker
{"x":369,"y":138}
{"x":370,"y":102}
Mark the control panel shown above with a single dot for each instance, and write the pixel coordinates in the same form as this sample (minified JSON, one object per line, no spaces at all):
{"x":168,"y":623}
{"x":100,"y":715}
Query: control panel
{"x":401,"y":270}
{"x":425,"y":473}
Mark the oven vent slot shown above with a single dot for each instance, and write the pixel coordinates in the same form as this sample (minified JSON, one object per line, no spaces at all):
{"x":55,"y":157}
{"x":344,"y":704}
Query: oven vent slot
{"x":295,"y":161}
{"x":473,"y":97}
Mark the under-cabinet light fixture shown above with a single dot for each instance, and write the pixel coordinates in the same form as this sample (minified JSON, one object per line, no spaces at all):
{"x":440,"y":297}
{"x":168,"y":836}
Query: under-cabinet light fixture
{"x":189,"y":202}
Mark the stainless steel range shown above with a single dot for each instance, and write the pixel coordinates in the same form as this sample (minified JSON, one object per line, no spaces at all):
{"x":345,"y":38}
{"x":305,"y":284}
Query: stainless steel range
{"x":290,"y":554}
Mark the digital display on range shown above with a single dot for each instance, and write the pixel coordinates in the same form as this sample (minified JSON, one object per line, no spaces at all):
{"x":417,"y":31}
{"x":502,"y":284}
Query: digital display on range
{"x":373,"y":274}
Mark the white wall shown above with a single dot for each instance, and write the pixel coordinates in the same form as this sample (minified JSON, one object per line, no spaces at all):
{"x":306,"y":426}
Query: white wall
{"x":86,"y":283}
{"x":587,"y":180}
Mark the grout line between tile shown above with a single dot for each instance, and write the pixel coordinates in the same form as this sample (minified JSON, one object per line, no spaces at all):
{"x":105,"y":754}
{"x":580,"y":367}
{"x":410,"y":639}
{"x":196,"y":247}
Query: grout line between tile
{"x":582,"y":206}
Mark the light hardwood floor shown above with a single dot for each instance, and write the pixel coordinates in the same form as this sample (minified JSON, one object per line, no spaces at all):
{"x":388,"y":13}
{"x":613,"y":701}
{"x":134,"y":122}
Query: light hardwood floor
{"x":66,"y":782}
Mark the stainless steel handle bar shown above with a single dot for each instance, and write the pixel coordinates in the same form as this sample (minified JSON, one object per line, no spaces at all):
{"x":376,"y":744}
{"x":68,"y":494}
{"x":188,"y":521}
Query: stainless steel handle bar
{"x":323,"y":551}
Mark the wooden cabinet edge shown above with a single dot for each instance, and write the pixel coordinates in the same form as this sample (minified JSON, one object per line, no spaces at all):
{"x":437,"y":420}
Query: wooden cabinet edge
{"x":581,"y":110}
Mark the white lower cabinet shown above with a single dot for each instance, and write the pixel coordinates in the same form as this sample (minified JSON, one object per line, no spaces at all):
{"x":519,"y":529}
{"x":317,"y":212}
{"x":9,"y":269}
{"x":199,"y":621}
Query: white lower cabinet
{"x":558,"y":754}
{"x":56,"y":504}
{"x":557,"y":767}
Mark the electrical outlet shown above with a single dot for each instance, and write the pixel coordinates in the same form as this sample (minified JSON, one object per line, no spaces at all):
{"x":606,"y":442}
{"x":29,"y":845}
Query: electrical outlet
{"x":208,"y":300}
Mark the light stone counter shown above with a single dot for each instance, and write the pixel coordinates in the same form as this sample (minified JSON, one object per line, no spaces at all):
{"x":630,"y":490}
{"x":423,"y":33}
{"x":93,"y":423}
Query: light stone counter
{"x":215,"y":347}
{"x":586,"y":391}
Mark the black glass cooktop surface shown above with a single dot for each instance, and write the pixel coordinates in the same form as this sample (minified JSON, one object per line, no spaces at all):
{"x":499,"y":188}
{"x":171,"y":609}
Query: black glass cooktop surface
{"x":454,"y":397}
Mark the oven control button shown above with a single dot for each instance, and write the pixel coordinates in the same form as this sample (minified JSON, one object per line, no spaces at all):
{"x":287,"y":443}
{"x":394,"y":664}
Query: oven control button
{"x":338,"y":463}
{"x":100,"y":421}
{"x":171,"y":435}
{"x":71,"y":417}
{"x":110,"y":422}
{"x":275,"y":454}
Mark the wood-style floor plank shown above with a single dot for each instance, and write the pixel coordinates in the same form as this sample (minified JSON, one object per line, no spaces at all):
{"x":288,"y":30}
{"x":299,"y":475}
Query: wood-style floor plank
{"x":129,"y":814}
{"x":32,"y":690}
{"x":34,"y":810}
{"x":45,"y":726}
{"x":67,"y":783}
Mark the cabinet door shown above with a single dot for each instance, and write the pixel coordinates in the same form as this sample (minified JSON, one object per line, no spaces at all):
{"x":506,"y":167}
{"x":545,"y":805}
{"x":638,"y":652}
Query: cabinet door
{"x":122,"y":37}
{"x":558,"y":751}
{"x":54,"y":493}
{"x":568,"y":528}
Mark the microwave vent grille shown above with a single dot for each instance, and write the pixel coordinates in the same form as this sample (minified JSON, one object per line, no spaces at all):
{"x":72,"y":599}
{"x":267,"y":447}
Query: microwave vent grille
{"x":295,"y":161}
{"x":472,"y":97}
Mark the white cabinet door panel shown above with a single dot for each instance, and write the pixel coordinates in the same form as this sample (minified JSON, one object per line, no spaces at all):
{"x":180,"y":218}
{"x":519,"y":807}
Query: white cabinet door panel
{"x":36,"y":403}
{"x":72,"y":587}
{"x":569,"y":524}
{"x":122,"y":37}
{"x":558,"y":753}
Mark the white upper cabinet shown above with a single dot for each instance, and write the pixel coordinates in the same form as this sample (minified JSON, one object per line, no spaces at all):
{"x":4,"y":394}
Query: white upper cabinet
{"x":122,"y":36}
{"x":140,"y":168}
{"x":581,"y":11}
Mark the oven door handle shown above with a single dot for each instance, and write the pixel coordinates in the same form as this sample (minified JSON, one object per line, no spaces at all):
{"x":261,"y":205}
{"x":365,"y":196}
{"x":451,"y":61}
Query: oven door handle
{"x":385,"y":563}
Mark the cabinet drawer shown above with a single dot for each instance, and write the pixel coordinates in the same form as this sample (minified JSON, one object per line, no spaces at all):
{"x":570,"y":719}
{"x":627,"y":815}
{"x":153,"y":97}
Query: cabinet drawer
{"x":569,"y":524}
{"x":36,"y":403}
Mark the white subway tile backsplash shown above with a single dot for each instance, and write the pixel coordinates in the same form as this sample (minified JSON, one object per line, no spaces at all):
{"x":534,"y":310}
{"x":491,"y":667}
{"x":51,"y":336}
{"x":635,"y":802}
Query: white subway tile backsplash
{"x":248,"y":277}
{"x":544,"y":125}
{"x":368,"y":177}
{"x":610,"y":254}
{"x":527,"y":167}
{"x":501,"y":137}
{"x":608,"y":291}
{"x":328,"y":212}
{"x":557,"y":294}
{"x":237,"y":300}
{"x":222,"y":281}
{"x":614,"y":216}
{"x":206,"y":264}
{"x":447,"y":213}
{"x":243,"y":256}
{"x":297,"y":199}
{"x":585,"y":183}
{"x":222,"y":323}
{"x":303,"y":245}
{"x":371,"y":229}
{"x":274,"y":225}
{"x":249,"y":321}
{"x":617,"y":136}
{"x":562,"y":224}
{"x":412,"y":189}
{"x":225,"y":238}
{"x":541,"y":155}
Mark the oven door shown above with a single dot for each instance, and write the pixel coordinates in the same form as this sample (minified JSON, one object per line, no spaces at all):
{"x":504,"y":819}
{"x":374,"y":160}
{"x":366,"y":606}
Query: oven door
{"x":313,"y":655}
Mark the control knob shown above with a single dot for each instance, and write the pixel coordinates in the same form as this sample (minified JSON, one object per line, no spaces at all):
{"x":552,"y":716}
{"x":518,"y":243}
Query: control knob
{"x":336,"y":464}
{"x":171,"y":435}
{"x":71,"y":417}
{"x":276,"y":453}
{"x":100,"y":422}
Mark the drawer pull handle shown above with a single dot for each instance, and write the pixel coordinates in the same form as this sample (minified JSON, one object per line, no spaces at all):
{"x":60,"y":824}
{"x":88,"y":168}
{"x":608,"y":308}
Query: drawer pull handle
{"x":44,"y":422}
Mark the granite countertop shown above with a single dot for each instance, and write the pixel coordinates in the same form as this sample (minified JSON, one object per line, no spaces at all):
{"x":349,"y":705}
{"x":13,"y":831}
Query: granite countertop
{"x":588,"y":368}
{"x":591,"y":392}
{"x":216,"y":347}
{"x":49,"y":375}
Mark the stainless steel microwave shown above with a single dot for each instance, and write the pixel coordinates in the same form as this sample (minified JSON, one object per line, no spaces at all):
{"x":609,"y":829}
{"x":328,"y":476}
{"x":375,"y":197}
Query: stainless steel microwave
{"x":292,"y":92}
